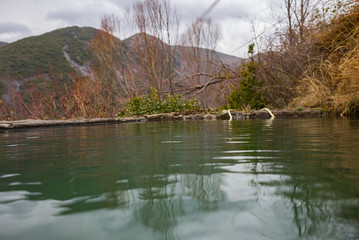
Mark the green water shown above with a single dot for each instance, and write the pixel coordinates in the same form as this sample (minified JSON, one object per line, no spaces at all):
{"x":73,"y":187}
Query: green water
{"x":257,"y":179}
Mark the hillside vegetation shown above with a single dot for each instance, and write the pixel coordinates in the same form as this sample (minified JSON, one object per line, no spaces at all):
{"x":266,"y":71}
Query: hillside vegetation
{"x":29,"y":56}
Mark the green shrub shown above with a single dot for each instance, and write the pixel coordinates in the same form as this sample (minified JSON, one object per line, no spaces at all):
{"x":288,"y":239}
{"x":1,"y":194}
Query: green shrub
{"x":247,"y":93}
{"x":150,"y":104}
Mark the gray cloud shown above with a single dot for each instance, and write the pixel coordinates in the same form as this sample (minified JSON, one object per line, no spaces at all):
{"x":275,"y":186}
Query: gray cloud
{"x":191,"y":11}
{"x":122,"y":3}
{"x":75,"y":16}
{"x":89,"y":14}
{"x":14,"y":28}
{"x":40,"y":16}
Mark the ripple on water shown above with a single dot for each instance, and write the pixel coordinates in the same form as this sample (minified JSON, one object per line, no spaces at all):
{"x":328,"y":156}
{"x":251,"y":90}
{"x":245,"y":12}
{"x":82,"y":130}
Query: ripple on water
{"x":11,"y":196}
{"x":10,"y":175}
{"x":169,"y":142}
{"x":236,"y":142}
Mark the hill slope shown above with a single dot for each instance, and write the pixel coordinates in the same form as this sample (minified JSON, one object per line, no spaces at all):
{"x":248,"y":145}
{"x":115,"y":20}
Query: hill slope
{"x":3,"y":43}
{"x":61,"y":51}
{"x":26,"y":57}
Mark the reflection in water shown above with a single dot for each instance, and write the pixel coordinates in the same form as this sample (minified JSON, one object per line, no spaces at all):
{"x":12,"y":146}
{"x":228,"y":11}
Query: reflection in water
{"x":205,"y":189}
{"x":314,"y":179}
{"x":160,"y":214}
{"x":266,"y":179}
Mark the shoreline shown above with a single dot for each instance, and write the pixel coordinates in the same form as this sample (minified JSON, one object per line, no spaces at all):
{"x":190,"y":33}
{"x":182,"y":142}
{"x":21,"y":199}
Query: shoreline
{"x":260,"y":114}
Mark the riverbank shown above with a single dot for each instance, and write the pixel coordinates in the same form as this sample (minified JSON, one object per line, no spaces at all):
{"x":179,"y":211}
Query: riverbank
{"x":261,"y":114}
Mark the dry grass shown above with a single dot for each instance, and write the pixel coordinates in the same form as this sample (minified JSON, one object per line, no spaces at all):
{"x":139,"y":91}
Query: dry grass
{"x":333,"y":83}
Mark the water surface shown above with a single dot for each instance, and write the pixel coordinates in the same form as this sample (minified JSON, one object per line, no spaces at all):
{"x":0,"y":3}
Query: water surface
{"x":258,"y":179}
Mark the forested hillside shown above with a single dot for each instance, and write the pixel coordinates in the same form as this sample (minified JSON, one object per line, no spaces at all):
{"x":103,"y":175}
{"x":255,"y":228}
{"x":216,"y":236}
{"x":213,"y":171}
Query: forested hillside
{"x":27,"y":57}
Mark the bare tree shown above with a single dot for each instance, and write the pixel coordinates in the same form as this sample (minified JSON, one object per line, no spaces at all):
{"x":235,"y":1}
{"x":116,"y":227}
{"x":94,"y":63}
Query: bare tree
{"x":148,"y":59}
{"x":158,"y":24}
{"x":289,"y":8}
{"x":111,"y":64}
{"x":288,"y":52}
{"x":301,"y":15}
{"x":202,"y":39}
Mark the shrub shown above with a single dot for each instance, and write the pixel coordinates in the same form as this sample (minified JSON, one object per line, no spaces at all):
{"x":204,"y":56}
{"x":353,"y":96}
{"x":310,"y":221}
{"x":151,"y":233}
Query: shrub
{"x":150,"y":104}
{"x":247,"y":93}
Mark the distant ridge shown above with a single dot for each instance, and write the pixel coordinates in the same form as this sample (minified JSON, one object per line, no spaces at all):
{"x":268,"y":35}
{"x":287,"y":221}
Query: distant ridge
{"x":63,"y":50}
{"x":25,"y":57}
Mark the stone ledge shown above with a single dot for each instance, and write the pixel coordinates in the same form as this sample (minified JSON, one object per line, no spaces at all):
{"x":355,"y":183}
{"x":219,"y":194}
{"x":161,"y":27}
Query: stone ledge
{"x":31,"y":123}
{"x":261,"y":114}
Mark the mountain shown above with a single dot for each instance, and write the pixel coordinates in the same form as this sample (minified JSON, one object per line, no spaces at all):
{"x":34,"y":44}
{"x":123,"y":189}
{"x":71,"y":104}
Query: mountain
{"x":24,"y":58}
{"x":62,"y":51}
{"x":3,"y":43}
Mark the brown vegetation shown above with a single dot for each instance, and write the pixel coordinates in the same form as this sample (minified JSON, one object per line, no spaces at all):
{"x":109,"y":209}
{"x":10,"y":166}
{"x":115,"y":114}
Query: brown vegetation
{"x":82,"y":98}
{"x":312,"y":59}
{"x":287,"y":53}
{"x":332,"y":81}
{"x":189,"y":69}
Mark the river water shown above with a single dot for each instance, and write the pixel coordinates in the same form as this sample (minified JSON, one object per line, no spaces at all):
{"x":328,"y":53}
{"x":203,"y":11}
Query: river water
{"x":255,"y":179}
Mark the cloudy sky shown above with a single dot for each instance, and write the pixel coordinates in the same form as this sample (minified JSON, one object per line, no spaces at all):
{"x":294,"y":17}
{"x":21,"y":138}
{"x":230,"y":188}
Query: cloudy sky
{"x":23,"y":18}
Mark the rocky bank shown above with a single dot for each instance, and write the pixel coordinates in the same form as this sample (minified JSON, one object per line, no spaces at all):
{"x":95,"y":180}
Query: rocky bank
{"x":31,"y":123}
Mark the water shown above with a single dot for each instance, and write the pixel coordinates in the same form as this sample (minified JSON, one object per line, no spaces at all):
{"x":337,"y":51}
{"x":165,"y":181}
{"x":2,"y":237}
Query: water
{"x":257,"y":179}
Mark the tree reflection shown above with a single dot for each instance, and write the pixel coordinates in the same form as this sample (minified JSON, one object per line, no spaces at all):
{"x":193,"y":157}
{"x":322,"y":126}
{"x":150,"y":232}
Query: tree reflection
{"x":206,"y":189}
{"x":159,"y":212}
{"x":168,"y":190}
{"x":318,"y":186}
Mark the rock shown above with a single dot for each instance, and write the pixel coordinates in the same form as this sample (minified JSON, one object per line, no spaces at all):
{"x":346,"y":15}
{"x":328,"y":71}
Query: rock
{"x":5,"y":125}
{"x":131,"y":119}
{"x":298,"y":114}
{"x":262,"y":114}
{"x":154,"y":117}
{"x":209,"y":116}
{"x":223,"y":115}
{"x":178,"y":117}
{"x":237,"y":115}
{"x":223,"y":112}
{"x":194,"y":117}
{"x":30,"y":123}
{"x":168,"y":116}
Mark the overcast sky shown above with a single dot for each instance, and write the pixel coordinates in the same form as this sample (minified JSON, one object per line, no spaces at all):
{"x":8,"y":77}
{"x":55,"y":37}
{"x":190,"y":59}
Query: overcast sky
{"x":23,"y":18}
